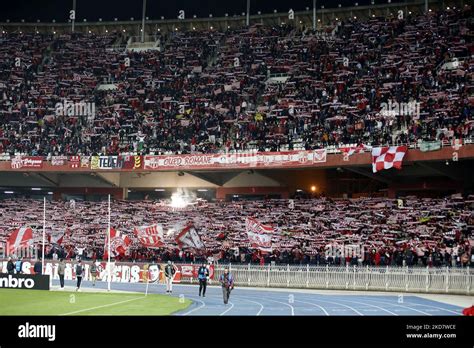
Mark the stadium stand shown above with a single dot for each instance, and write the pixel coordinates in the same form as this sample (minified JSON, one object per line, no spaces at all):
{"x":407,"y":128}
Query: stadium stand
{"x":210,"y":91}
{"x":429,"y":232}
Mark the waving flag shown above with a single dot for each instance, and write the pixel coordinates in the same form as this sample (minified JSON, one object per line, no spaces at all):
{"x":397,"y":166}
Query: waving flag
{"x":352,"y":150}
{"x":254,"y":226}
{"x":57,"y":238}
{"x":258,"y":235}
{"x":150,"y":236}
{"x":20,"y":238}
{"x":189,"y":237}
{"x":387,"y":157}
{"x":119,"y":243}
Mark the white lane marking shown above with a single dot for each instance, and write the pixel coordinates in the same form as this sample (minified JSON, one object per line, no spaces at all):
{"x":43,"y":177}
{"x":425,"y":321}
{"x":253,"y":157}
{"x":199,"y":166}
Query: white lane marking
{"x":367,"y":304}
{"x":261,"y":305}
{"x":195,"y":309}
{"x":314,"y":304}
{"x":440,"y":308}
{"x":283,"y":303}
{"x":103,"y":306}
{"x":340,"y":304}
{"x":224,"y":312}
{"x":399,"y":305}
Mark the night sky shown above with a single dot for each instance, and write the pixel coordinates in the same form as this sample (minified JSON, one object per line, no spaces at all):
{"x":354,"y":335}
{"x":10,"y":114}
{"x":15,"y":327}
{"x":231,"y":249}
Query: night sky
{"x":92,"y":10}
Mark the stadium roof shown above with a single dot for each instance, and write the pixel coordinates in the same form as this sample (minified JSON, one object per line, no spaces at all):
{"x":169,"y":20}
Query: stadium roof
{"x":92,"y":10}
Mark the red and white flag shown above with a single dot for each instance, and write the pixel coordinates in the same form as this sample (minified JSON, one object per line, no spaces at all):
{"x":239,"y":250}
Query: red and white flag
{"x":150,"y":236}
{"x":20,"y":238}
{"x":189,"y":237}
{"x":258,"y":235}
{"x":352,"y":150}
{"x":387,"y":157}
{"x":254,"y":226}
{"x":119,"y":243}
{"x":57,"y":238}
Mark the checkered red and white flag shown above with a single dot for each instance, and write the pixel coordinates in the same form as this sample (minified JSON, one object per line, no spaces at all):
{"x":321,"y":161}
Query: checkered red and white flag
{"x":387,"y":157}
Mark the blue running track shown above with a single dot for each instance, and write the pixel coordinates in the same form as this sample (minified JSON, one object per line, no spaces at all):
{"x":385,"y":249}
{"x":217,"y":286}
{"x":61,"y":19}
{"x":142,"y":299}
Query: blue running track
{"x":251,"y":302}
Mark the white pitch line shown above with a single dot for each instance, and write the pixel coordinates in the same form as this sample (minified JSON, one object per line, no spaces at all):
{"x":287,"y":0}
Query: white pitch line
{"x":399,"y":305}
{"x":195,"y":309}
{"x":261,"y":305}
{"x":314,"y":304}
{"x":103,"y":306}
{"x":224,"y":312}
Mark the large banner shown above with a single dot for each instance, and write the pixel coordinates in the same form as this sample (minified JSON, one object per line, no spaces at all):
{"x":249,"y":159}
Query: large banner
{"x":122,"y":272}
{"x":59,"y":160}
{"x":19,"y":162}
{"x":253,"y":160}
{"x":105,"y":162}
{"x":116,"y":162}
{"x":150,"y":236}
{"x":24,"y":281}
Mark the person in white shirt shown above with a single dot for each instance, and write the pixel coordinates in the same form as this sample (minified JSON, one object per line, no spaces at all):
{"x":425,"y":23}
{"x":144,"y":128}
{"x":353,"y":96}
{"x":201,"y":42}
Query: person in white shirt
{"x":169,"y":276}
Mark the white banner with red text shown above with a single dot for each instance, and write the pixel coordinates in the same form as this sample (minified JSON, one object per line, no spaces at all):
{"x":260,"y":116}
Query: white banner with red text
{"x":241,"y":160}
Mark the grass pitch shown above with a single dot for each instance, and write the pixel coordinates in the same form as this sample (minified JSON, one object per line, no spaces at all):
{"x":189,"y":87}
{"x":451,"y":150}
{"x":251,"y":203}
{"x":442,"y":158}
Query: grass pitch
{"x":39,"y":302}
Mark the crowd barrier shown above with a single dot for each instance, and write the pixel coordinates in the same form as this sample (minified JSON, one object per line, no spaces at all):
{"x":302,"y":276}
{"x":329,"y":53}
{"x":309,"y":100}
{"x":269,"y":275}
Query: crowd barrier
{"x":399,"y":279}
{"x":444,"y":280}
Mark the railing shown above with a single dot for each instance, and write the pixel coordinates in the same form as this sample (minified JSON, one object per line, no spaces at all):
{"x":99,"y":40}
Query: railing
{"x":399,"y":279}
{"x":297,"y":145}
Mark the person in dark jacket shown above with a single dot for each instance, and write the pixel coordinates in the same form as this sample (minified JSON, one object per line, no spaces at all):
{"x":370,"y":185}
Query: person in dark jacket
{"x":203,"y":276}
{"x":79,"y":274}
{"x":227,"y":283}
{"x":61,"y":269}
{"x":38,"y":267}
{"x":10,"y":266}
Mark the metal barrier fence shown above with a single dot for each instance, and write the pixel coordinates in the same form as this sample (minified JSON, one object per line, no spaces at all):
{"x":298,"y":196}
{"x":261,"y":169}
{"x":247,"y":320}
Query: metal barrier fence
{"x":400,"y":279}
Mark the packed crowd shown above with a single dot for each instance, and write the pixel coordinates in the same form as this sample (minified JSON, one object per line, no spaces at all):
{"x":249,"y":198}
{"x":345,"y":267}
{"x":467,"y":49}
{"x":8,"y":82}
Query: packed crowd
{"x":409,"y":231}
{"x":209,"y":91}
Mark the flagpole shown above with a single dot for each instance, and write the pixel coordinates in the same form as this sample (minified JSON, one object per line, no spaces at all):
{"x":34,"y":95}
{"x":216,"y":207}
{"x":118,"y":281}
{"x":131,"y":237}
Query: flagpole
{"x":108,"y":253}
{"x":44,"y":232}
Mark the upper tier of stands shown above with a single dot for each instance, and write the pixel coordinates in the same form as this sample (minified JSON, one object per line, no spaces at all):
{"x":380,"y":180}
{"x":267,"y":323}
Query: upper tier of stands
{"x":207,"y":91}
